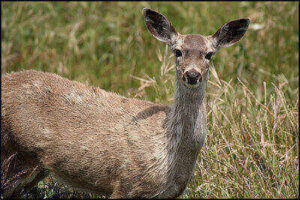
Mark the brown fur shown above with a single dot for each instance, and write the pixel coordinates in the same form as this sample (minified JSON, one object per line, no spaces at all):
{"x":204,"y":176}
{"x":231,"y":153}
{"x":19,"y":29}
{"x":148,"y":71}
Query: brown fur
{"x":103,"y":142}
{"x":57,"y":116}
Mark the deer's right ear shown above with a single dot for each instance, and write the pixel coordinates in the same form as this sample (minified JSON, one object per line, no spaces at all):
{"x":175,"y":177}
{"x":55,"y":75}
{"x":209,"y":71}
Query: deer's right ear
{"x":159,"y":26}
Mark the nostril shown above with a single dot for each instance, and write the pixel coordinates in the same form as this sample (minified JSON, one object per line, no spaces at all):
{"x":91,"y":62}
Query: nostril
{"x":193,"y":75}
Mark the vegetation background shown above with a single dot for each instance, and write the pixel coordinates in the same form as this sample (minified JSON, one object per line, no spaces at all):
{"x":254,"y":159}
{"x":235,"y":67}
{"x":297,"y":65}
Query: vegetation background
{"x":252,"y":147}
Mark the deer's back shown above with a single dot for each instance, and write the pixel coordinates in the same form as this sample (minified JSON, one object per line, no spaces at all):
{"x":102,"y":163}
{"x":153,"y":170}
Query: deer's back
{"x":83,"y":131}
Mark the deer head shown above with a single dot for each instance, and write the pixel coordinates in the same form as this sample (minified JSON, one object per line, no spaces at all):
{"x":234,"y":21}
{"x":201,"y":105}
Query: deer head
{"x":193,"y":51}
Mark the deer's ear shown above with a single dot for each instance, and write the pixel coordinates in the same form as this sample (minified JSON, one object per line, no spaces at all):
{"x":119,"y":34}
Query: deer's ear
{"x":230,"y":33}
{"x":159,"y":26}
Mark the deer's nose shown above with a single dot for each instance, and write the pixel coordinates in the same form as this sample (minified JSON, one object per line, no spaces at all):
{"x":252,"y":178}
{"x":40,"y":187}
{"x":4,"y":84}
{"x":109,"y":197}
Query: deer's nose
{"x":193,"y":77}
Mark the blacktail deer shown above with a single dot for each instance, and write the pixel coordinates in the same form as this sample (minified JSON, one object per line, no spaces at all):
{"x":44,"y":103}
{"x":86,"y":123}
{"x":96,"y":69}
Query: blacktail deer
{"x":103,"y":142}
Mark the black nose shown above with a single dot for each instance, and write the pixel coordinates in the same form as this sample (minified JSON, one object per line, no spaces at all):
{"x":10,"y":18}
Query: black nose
{"x":192,"y":77}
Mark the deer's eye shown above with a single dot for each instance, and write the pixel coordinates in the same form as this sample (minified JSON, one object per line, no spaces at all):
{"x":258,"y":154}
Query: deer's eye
{"x":209,"y":55}
{"x":177,"y":53}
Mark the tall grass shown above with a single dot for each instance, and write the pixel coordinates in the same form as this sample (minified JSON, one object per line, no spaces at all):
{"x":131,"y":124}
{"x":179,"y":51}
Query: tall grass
{"x":252,"y":146}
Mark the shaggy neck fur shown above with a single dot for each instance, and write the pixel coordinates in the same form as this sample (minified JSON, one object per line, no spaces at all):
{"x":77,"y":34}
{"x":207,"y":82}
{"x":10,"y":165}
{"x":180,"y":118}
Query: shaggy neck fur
{"x":186,"y":132}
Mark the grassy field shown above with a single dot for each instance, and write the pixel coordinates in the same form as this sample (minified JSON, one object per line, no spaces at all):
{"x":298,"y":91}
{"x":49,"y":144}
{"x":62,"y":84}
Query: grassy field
{"x":252,"y":147}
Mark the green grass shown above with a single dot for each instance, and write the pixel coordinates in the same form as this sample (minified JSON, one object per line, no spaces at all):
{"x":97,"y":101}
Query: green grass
{"x":252,"y":147}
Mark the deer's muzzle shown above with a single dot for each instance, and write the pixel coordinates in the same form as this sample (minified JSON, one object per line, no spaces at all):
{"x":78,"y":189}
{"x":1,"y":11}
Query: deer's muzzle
{"x":192,"y":77}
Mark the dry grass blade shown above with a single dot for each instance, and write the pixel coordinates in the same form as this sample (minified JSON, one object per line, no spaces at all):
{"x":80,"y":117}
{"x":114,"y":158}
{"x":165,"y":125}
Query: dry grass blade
{"x":253,"y":96}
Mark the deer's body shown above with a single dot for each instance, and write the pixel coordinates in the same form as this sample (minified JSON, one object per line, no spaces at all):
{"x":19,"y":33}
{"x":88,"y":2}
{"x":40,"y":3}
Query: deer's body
{"x":100,"y":137}
{"x":101,"y":141}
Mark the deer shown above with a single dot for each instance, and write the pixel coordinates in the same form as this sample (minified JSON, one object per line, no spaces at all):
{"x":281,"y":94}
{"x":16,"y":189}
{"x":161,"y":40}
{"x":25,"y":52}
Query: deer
{"x":103,"y":142}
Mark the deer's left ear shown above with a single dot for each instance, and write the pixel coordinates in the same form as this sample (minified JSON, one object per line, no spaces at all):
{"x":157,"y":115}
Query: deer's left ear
{"x":230,"y":33}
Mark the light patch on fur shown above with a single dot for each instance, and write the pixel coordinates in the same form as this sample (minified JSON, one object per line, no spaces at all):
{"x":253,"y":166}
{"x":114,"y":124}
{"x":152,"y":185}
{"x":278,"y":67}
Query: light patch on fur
{"x":70,"y":142}
{"x":36,"y":83}
{"x":126,"y":162}
{"x":26,"y":88}
{"x":73,"y":97}
{"x":210,"y":44}
{"x":3,"y":111}
{"x":158,"y":155}
{"x":47,"y":133}
{"x":179,"y":42}
{"x":84,"y":148}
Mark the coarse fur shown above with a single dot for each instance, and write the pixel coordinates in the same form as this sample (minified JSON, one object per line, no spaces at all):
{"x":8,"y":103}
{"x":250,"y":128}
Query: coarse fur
{"x":103,"y":142}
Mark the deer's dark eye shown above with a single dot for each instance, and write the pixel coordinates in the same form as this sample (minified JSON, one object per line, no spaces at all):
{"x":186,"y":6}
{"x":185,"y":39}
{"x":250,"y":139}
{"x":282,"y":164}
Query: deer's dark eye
{"x":209,"y":55}
{"x":177,"y":53}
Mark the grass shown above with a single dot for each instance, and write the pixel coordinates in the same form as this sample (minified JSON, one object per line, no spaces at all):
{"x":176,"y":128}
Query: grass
{"x":252,"y":146}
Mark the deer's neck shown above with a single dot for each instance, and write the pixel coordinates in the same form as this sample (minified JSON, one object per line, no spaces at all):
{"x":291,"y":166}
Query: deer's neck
{"x":188,"y":118}
{"x":186,"y":135}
